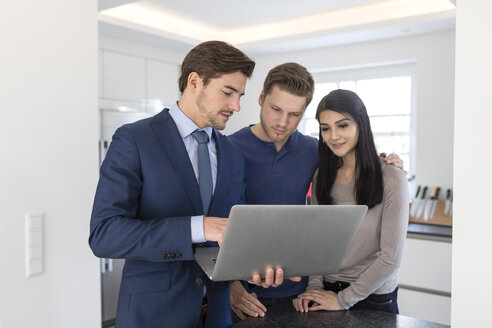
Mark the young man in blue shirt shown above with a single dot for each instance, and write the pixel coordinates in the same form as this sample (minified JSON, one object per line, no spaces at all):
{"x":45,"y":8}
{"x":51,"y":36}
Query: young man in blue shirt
{"x":280,"y":163}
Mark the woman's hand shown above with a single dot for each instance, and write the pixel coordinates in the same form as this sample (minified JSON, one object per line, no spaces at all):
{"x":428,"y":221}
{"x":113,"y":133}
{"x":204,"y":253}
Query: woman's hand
{"x":302,"y":305}
{"x":322,"y":300}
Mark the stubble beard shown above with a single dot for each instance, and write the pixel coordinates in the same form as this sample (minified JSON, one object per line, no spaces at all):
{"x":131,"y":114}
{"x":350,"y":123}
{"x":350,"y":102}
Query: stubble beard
{"x":207,"y":115}
{"x":271,"y":134}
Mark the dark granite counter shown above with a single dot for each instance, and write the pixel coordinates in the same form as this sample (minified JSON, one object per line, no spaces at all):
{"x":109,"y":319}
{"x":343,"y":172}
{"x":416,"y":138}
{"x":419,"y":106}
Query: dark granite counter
{"x":284,"y":315}
{"x":432,"y":231}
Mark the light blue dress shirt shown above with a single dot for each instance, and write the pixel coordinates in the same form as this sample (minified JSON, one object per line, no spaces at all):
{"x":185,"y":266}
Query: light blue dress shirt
{"x":185,"y":127}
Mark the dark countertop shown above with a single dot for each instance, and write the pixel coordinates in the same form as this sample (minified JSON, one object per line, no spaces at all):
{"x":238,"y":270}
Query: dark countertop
{"x":285,"y":316}
{"x":429,"y":230}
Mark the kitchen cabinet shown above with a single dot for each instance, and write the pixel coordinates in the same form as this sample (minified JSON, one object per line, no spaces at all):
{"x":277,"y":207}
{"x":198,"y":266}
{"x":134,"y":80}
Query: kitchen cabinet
{"x":123,"y":77}
{"x":100,"y":76}
{"x":425,"y":279}
{"x":130,"y":83}
{"x":162,"y":85}
{"x":123,"y":81}
{"x":425,"y":306}
{"x":426,"y":264}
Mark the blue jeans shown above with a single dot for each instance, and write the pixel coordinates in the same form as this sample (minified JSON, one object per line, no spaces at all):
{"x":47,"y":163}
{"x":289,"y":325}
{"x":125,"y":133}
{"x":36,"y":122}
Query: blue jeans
{"x":378,"y":302}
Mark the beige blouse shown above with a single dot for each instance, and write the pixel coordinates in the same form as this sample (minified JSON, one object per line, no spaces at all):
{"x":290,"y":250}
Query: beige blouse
{"x":372,"y":261}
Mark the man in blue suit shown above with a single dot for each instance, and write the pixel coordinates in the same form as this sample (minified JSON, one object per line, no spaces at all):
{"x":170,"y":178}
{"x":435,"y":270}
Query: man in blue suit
{"x":148,"y":205}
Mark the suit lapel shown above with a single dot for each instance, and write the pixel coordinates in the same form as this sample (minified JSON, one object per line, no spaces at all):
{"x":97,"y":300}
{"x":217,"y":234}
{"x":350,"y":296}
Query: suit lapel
{"x":167,"y":133}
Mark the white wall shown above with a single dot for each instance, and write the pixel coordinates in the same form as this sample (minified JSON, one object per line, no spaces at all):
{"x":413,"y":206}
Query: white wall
{"x":434,"y":55}
{"x":49,"y":160}
{"x":472,"y":245}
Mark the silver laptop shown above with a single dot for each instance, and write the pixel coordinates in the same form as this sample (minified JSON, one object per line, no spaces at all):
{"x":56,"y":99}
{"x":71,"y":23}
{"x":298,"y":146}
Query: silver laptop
{"x":302,"y":239}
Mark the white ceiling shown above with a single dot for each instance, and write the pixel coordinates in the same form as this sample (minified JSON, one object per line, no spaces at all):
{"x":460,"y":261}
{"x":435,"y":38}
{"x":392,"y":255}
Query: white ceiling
{"x":261,"y":27}
{"x":234,"y":14}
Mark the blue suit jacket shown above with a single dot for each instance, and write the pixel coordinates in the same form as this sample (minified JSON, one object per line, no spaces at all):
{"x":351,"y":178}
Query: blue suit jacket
{"x":146,"y":194}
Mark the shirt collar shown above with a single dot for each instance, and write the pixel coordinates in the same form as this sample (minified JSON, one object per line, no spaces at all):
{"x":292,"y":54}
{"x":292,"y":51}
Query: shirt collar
{"x":288,"y":145}
{"x":184,"y":124}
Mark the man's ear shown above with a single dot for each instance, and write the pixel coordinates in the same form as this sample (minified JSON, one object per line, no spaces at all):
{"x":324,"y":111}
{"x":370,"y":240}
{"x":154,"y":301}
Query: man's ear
{"x":261,"y":98}
{"x":194,"y":82}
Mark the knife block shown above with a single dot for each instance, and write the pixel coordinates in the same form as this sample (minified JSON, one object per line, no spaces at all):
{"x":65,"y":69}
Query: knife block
{"x":439,"y":217}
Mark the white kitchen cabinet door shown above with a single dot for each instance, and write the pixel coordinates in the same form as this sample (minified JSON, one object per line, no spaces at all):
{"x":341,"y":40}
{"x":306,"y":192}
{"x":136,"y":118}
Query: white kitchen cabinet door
{"x":162,"y":85}
{"x":426,"y":264}
{"x":123,"y":77}
{"x":100,"y":75}
{"x":430,"y":307}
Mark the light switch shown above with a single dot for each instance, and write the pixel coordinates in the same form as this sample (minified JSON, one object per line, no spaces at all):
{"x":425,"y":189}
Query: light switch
{"x":36,"y":266}
{"x":34,"y":244}
{"x":35,"y":252}
{"x":35,"y":222}
{"x":35,"y":237}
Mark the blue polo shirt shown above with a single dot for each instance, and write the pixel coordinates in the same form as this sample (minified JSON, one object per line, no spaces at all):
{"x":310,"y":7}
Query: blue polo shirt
{"x":277,"y":178}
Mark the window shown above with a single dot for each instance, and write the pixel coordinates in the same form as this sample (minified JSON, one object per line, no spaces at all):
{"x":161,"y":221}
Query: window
{"x":388,"y":101}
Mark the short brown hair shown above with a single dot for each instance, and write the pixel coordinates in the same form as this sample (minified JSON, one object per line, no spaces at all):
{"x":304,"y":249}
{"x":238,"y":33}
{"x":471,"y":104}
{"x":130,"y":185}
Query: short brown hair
{"x":290,"y":77}
{"x":211,"y":59}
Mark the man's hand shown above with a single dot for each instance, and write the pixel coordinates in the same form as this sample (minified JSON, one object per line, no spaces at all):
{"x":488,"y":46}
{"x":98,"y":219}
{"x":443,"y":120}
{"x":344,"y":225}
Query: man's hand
{"x":393,"y":159}
{"x":243,"y":302}
{"x":273,"y":278}
{"x":214,"y":228}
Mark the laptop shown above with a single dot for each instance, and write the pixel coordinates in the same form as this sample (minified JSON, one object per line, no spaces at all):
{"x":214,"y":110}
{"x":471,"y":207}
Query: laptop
{"x":303,"y":239}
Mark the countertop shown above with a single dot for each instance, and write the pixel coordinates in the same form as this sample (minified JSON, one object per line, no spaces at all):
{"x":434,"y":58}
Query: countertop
{"x":432,"y":231}
{"x":284,"y":315}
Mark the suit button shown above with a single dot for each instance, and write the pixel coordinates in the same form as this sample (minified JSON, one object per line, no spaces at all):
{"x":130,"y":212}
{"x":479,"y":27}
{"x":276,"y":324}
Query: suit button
{"x":199,"y":281}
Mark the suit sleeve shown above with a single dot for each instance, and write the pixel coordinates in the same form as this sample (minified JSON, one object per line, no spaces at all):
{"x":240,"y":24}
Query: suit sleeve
{"x":115,"y":230}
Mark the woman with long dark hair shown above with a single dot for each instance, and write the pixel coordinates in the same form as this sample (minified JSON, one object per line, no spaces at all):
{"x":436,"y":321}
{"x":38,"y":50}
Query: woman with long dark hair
{"x":351,"y":172}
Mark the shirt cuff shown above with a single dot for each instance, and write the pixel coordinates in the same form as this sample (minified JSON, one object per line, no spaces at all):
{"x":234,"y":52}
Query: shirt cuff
{"x":344,"y":299}
{"x":197,"y":233}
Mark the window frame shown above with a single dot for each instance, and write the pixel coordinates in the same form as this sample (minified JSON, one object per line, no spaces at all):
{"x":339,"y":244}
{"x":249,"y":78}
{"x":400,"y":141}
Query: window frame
{"x":376,"y":71}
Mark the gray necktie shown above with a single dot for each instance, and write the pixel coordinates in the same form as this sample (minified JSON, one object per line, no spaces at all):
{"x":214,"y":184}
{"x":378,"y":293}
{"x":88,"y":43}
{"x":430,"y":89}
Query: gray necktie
{"x":204,"y":169}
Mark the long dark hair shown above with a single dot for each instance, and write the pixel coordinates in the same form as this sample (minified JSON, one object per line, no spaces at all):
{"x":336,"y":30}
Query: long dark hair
{"x":369,"y":176}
